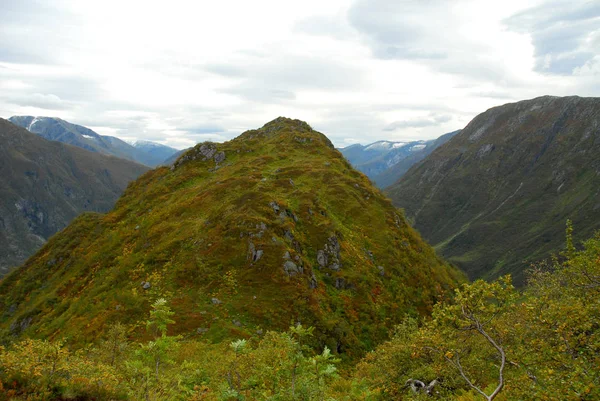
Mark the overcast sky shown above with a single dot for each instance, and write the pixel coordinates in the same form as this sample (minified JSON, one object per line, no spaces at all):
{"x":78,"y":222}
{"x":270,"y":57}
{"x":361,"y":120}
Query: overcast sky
{"x":181,"y":72}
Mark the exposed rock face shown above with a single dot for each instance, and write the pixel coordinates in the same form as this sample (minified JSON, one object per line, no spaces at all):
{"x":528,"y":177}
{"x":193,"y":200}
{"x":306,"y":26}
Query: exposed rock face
{"x":329,"y":257}
{"x":495,"y":198}
{"x":45,"y":185}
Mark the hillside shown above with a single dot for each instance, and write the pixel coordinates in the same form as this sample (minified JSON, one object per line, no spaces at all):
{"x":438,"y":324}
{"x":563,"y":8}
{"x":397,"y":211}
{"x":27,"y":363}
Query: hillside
{"x":271,"y":228}
{"x":46,"y":184}
{"x":392,"y":174}
{"x":497,"y":195}
{"x":56,"y":129}
{"x":384,"y":162}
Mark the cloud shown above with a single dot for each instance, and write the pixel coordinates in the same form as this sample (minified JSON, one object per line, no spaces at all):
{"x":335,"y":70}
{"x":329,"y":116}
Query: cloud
{"x":279,"y":77}
{"x":200,"y":130}
{"x":419,"y":122}
{"x":335,"y":26}
{"x":564,"y":34}
{"x":42,"y":101}
{"x":357,"y":70}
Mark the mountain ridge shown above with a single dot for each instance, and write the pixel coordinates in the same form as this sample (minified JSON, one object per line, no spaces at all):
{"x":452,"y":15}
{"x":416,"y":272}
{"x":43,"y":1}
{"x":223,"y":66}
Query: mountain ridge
{"x":46,"y":184}
{"x":269,"y":227}
{"x":384,"y":162}
{"x":57,"y":129}
{"x":495,"y":197}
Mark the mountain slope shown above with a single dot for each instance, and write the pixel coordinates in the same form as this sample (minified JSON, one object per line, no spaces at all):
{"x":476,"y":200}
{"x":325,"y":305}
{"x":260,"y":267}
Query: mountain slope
{"x":268,"y":229}
{"x":497,"y":195}
{"x":384,"y":162}
{"x":392,"y":174}
{"x":46,"y":184}
{"x":59,"y":130}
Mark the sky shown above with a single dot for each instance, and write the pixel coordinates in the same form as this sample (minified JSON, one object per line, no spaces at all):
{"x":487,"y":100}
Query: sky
{"x":182,"y":72}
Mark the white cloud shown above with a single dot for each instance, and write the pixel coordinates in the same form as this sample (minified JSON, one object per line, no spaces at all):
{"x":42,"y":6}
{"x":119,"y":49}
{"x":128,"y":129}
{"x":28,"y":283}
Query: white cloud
{"x":179,"y":72}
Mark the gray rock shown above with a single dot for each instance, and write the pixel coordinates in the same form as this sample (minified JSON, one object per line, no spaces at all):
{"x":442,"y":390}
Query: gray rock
{"x":253,"y":254}
{"x":236,"y":323}
{"x":201,"y":330}
{"x":381,"y":270}
{"x":219,"y":157}
{"x":330,"y":256}
{"x":292,"y":269}
{"x":321,"y":258}
{"x":146,"y":285}
{"x":313,"y":282}
{"x":216,"y":301}
{"x":291,"y":182}
{"x":275,"y":206}
{"x":207,"y":150}
{"x":286,"y":255}
{"x":21,"y":325}
{"x":485,"y":150}
{"x":340,"y":283}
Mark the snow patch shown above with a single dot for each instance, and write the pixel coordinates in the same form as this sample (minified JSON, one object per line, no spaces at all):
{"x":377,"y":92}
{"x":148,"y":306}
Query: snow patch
{"x":31,"y":124}
{"x":88,"y":136}
{"x":384,"y":145}
{"x":417,"y":147}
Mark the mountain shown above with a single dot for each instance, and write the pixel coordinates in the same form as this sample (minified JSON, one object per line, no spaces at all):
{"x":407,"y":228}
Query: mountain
{"x":384,"y":162}
{"x":269,"y":229}
{"x":392,"y":174}
{"x":156,"y":152}
{"x":46,"y":184}
{"x":59,"y":130}
{"x":496,"y":196}
{"x":173,"y":158}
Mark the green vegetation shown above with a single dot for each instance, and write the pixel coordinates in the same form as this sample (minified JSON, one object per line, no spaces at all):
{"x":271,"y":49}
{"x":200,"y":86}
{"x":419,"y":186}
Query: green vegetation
{"x":242,"y":237}
{"x":46,"y":184}
{"x":494,"y":198}
{"x":489,"y":342}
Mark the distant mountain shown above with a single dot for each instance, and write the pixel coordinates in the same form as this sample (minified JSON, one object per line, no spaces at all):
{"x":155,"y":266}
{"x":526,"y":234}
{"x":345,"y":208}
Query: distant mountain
{"x":46,"y":184}
{"x":496,"y":196}
{"x":156,"y":152}
{"x":379,"y":159}
{"x":392,"y":174}
{"x":271,"y":228}
{"x":63,"y":131}
{"x":173,"y":158}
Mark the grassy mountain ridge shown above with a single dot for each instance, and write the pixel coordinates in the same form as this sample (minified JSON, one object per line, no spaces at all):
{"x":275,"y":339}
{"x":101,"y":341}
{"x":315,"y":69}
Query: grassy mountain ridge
{"x":270,"y":228}
{"x":496,"y":196}
{"x":46,"y":184}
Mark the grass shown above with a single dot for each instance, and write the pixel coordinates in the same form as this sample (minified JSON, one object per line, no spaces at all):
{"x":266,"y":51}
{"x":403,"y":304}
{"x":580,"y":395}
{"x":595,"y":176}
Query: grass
{"x":187,"y":231}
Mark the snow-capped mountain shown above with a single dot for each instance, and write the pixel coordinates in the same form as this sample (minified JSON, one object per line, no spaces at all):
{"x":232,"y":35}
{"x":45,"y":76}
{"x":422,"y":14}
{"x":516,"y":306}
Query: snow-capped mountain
{"x":56,"y":129}
{"x":379,"y":159}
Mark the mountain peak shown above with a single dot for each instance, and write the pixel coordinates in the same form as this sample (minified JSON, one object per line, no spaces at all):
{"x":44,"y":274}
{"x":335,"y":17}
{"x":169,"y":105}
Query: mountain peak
{"x":272,"y":226}
{"x":285,"y":128}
